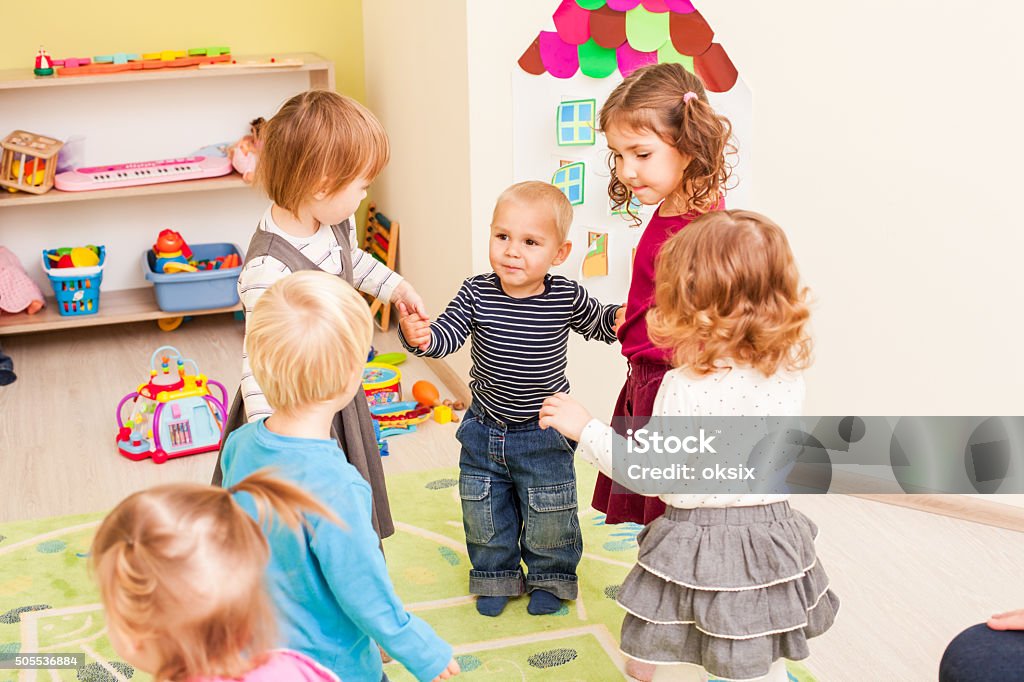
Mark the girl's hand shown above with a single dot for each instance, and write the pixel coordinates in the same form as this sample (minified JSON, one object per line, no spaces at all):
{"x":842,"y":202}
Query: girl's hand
{"x":452,"y":670}
{"x":1011,"y":620}
{"x":404,"y":293}
{"x":620,"y":317}
{"x":415,"y":327}
{"x":566,"y":415}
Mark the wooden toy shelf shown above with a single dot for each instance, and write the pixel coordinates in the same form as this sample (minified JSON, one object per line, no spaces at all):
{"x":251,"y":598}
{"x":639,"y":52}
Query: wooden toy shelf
{"x":123,"y":305}
{"x":55,"y":196}
{"x":133,"y":305}
{"x":321,"y":73}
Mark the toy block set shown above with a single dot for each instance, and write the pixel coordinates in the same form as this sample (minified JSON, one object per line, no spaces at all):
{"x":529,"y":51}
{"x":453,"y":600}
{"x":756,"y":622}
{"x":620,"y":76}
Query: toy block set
{"x":393,"y":416}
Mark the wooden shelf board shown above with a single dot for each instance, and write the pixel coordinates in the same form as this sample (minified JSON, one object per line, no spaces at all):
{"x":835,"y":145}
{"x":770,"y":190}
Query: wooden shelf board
{"x":116,"y":307}
{"x":54,"y":196}
{"x":24,"y":78}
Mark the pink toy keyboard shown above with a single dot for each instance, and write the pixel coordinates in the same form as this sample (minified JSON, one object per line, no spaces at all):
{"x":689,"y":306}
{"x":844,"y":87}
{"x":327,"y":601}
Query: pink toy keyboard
{"x":142,"y":173}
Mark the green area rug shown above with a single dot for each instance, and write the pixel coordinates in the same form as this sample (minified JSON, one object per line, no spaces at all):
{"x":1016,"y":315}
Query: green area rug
{"x":48,"y":602}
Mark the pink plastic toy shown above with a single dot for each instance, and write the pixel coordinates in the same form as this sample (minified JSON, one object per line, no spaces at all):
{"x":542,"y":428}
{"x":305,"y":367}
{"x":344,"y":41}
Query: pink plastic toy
{"x":142,"y":173}
{"x":17,"y":291}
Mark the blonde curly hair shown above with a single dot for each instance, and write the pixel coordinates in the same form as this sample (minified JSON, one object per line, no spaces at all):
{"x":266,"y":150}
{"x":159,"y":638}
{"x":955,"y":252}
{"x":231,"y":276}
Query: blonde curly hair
{"x":727,"y":291}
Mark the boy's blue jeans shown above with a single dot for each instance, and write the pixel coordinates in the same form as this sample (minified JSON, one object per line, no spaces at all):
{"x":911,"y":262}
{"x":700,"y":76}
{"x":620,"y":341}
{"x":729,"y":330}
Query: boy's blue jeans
{"x":518,"y":490}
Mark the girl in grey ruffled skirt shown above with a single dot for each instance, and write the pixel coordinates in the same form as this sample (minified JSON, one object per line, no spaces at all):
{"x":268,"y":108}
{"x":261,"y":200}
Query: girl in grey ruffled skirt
{"x":729,"y":582}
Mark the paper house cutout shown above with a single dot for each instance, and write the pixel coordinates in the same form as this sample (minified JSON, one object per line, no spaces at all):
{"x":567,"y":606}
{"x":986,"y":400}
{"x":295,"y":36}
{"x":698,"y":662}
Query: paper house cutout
{"x":595,"y":263}
{"x":575,"y":123}
{"x":598,"y":37}
{"x":569,"y":179}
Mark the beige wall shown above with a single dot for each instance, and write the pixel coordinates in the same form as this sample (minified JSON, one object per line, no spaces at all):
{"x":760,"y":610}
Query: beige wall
{"x":887,"y":146}
{"x":416,"y":84}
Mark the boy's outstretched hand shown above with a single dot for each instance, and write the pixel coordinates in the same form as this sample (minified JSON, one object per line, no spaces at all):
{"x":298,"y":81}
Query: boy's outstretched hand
{"x":620,"y":317}
{"x":452,"y":670}
{"x":565,"y":415}
{"x":415,"y":327}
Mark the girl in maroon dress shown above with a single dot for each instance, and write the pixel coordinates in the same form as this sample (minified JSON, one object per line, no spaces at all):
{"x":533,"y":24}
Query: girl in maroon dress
{"x":668,"y":149}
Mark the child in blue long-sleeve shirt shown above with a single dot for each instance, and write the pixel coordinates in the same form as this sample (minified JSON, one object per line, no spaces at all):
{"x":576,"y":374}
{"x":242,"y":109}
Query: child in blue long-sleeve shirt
{"x":307,"y":338}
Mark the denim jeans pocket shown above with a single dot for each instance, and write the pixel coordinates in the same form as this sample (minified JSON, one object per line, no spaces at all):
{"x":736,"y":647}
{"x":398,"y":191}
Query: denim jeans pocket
{"x":467,"y":419}
{"x":477,"y":517}
{"x":552,"y":518}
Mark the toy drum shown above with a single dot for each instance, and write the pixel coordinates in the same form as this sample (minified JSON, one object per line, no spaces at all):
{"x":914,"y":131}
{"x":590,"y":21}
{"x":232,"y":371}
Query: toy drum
{"x":382,"y":383}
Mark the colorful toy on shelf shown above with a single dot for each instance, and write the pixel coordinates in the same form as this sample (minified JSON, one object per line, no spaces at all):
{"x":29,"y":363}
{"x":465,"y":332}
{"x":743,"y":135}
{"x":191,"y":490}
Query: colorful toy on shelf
{"x":223,"y":262}
{"x":74,"y":257}
{"x":173,"y":414}
{"x":172,"y":253}
{"x":29,"y":162}
{"x":245,"y":153}
{"x":120,"y":62}
{"x":77,"y":288}
{"x":43,"y":66}
{"x":381,"y":383}
{"x":381,"y":242}
{"x":142,"y":173}
{"x":17,"y":290}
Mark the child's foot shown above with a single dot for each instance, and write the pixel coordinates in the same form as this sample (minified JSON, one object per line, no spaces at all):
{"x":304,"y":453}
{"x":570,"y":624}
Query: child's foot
{"x":543,"y":603}
{"x":491,"y":606}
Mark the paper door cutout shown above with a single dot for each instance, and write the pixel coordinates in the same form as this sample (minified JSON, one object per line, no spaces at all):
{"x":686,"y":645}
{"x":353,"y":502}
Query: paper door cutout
{"x":595,"y":263}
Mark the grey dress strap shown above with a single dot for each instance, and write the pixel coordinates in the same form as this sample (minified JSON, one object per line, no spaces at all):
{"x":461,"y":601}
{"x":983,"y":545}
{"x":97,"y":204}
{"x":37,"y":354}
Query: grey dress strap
{"x":353,"y":425}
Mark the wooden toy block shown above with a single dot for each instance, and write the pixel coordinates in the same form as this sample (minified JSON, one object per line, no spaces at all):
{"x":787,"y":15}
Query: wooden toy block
{"x":116,"y":58}
{"x":72,"y":62}
{"x":28,"y":161}
{"x":442,"y":414}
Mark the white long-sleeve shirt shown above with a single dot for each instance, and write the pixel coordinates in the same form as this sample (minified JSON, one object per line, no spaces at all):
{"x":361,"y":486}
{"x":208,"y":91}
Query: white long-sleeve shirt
{"x":742,"y":391}
{"x":368,"y":275}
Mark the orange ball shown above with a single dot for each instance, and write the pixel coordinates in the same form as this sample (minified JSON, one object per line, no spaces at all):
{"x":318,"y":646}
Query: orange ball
{"x":425,"y":393}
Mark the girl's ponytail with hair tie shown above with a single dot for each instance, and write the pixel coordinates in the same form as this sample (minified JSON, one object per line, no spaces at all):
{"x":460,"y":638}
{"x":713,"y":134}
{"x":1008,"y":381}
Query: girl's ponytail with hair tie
{"x":689,"y":97}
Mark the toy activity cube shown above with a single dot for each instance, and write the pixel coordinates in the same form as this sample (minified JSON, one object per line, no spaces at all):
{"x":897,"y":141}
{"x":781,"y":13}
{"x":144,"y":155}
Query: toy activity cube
{"x":174,"y":414}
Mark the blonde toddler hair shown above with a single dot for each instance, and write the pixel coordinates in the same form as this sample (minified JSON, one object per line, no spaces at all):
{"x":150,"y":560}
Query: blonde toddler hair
{"x":727,"y":289}
{"x":308,"y":332}
{"x":319,"y":141}
{"x":534,"y":191}
{"x":181,"y":566}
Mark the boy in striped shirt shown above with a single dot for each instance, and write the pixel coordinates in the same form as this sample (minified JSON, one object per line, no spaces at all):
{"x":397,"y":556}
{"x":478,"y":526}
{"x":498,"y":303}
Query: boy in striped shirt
{"x":516,"y":481}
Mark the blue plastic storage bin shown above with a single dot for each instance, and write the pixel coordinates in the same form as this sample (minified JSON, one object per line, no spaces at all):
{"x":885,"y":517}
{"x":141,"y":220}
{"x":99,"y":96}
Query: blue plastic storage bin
{"x":77,"y":290}
{"x":185,"y":291}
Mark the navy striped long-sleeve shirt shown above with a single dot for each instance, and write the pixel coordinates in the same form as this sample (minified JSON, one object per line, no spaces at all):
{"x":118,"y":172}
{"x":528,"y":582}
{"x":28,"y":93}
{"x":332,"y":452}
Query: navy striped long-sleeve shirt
{"x":519,"y":344}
